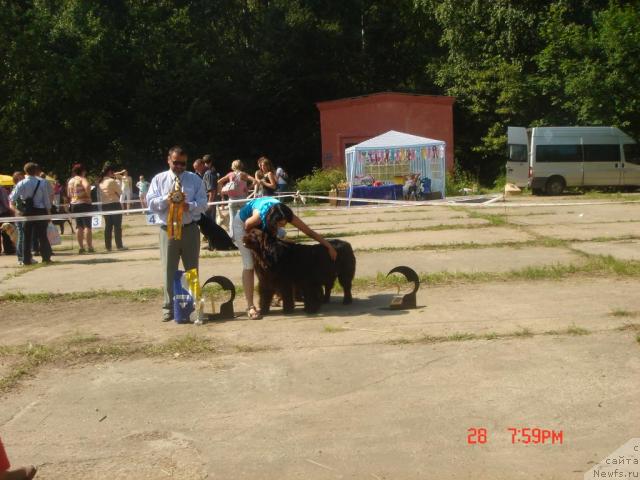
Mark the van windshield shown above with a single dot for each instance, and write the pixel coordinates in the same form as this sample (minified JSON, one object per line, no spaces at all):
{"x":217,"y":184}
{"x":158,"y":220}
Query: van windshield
{"x":517,"y":153}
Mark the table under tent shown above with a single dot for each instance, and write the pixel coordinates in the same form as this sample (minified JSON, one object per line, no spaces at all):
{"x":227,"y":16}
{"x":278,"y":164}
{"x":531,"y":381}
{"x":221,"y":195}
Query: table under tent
{"x":380,"y":166}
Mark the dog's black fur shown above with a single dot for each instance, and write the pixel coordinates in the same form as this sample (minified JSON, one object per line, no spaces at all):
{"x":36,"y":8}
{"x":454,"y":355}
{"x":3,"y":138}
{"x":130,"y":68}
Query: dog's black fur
{"x":284,"y":267}
{"x":216,"y":236}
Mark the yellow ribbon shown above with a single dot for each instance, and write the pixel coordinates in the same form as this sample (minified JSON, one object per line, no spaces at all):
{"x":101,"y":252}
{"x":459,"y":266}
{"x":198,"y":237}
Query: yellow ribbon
{"x":174,"y":219}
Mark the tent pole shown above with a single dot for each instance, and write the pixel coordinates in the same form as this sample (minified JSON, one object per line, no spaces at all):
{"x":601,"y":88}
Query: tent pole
{"x":353,"y":166}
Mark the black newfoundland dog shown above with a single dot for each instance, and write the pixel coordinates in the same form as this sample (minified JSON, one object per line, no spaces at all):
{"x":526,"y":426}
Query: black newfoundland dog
{"x":283,"y":267}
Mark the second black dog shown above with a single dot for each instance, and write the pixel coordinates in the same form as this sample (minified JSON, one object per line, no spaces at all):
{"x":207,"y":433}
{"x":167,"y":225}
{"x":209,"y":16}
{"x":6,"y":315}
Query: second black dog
{"x":216,"y":236}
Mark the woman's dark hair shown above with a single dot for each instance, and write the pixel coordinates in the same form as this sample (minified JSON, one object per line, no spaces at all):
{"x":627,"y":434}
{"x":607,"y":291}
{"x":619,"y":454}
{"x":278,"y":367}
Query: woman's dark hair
{"x":277,"y":213}
{"x":108,"y":167}
{"x":267,"y":162}
{"x":77,"y":169}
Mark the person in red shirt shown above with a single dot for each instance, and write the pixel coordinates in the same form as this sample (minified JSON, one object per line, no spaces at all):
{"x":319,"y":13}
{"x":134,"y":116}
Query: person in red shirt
{"x":22,"y":473}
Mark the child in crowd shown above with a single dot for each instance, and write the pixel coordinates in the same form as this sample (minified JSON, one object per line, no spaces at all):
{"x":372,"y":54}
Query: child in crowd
{"x":410,"y":187}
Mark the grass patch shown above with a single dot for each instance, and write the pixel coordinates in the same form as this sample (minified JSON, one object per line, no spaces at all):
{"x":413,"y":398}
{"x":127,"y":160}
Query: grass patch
{"x":493,"y":219}
{"x":243,"y":348}
{"x":630,"y":326}
{"x":85,"y":348}
{"x":141,"y":295}
{"x":594,"y":194}
{"x":523,"y":333}
{"x":333,"y":329}
{"x":216,"y":254}
{"x":32,"y":357}
{"x":189,"y":344}
{"x":575,"y":330}
{"x":433,"y":228}
{"x":594,"y":265}
{"x":623,"y":313}
{"x":24,"y":269}
{"x":319,"y":226}
{"x":490,"y":336}
{"x":460,"y":337}
{"x":549,"y":242}
{"x":542,"y":242}
{"x":464,"y":336}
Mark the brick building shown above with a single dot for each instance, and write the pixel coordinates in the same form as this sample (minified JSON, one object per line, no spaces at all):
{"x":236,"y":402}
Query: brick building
{"x":349,"y":121}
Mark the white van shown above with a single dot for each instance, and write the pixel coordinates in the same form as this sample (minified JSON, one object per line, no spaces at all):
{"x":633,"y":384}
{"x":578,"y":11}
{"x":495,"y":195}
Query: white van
{"x":560,"y":157}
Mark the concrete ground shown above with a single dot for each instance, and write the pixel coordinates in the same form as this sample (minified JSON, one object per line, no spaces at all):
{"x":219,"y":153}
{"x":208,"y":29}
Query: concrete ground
{"x":522,"y":333}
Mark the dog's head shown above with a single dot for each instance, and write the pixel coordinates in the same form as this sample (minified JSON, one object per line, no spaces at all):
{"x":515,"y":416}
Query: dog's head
{"x":267,"y":249}
{"x":254,"y":240}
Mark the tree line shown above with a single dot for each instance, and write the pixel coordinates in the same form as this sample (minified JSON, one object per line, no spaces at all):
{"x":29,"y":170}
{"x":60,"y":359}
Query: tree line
{"x":123,"y":80}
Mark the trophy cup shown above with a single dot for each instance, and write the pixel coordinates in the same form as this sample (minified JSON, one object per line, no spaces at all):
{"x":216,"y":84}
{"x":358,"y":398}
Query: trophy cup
{"x":174,"y":219}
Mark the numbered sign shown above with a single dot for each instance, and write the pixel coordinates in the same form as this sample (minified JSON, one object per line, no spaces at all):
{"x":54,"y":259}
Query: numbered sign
{"x":152,"y":219}
{"x":96,"y":221}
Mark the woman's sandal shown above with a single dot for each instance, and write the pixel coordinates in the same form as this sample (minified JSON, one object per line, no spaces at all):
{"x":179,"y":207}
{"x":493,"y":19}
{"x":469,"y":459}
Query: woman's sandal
{"x":253,"y":313}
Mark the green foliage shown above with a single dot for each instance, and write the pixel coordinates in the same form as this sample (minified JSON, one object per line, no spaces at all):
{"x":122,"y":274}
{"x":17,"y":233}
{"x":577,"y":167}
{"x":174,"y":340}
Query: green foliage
{"x":500,"y":182}
{"x":590,"y":71}
{"x":321,"y":180}
{"x":459,"y":179}
{"x":124,"y":80}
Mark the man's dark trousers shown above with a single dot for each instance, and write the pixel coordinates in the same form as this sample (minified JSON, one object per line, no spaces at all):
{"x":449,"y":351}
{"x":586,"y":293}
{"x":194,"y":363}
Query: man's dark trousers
{"x":38,"y":229}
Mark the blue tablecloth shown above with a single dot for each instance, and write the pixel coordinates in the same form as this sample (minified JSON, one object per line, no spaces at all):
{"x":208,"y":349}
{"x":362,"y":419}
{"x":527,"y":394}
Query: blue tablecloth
{"x":384,"y":192}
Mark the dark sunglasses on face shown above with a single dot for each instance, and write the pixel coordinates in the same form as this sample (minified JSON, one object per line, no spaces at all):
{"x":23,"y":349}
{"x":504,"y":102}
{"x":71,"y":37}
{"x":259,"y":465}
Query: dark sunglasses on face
{"x":179,"y":163}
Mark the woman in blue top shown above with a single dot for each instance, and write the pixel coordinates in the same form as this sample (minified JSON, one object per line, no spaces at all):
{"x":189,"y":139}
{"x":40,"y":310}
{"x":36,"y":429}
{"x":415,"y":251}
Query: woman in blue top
{"x":268,"y":214}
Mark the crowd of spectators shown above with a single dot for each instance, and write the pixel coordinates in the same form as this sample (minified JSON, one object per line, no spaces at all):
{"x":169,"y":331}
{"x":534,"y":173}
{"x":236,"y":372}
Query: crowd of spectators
{"x":112,"y":190}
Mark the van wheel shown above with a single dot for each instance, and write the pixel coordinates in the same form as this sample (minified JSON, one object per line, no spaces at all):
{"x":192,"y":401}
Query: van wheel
{"x":555,"y":186}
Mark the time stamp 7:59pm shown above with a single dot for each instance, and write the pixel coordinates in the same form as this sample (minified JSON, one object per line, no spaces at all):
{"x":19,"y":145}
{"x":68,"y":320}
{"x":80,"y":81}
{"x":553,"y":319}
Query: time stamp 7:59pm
{"x":519,"y":435}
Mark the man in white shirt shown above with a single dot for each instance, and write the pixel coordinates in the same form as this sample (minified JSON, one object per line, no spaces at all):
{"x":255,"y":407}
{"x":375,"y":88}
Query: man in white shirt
{"x":37,"y":191}
{"x":159,"y":200}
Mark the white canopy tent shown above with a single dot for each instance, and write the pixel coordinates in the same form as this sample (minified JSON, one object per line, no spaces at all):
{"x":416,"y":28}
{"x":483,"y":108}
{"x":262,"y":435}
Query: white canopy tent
{"x":392,"y":155}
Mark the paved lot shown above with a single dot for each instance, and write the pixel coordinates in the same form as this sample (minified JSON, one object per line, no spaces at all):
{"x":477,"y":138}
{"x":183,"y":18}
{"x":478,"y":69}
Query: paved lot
{"x":525,"y":324}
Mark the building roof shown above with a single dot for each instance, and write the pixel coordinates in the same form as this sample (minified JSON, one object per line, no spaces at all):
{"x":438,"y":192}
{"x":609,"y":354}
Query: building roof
{"x":393,"y":139}
{"x":386,"y":96}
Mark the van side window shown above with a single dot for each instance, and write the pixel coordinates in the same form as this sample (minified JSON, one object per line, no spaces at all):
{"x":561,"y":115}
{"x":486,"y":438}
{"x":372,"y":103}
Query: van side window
{"x":517,"y":153}
{"x":632,"y":153}
{"x":601,"y":153}
{"x":558,"y":153}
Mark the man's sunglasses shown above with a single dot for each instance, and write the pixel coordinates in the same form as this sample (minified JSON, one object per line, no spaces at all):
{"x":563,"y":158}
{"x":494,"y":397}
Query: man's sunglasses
{"x":179,"y":163}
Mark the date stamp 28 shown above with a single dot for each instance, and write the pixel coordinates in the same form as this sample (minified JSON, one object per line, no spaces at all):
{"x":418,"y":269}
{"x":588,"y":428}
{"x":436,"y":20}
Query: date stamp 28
{"x":519,"y":435}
